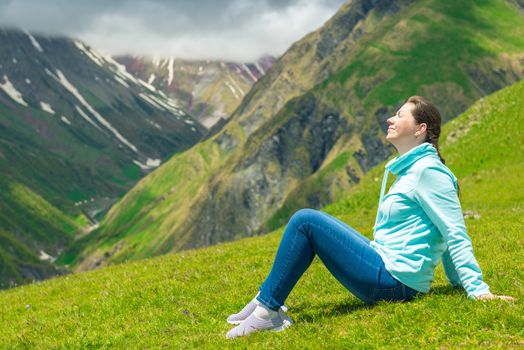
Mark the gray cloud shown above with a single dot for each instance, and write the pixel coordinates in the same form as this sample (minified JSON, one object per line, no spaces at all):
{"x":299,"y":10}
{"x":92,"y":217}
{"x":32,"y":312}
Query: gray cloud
{"x":240,"y":30}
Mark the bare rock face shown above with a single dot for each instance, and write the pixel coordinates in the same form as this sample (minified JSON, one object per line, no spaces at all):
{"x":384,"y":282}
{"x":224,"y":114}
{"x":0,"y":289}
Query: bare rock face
{"x":260,"y":182}
{"x":374,"y":153}
{"x":492,"y":74}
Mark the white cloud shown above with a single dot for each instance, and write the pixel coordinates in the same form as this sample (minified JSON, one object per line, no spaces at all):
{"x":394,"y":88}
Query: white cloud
{"x":237,"y":30}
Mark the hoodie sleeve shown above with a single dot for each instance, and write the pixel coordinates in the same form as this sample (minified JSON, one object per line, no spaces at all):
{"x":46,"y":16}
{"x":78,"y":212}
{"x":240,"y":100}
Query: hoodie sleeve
{"x":437,"y":195}
{"x":449,"y":270}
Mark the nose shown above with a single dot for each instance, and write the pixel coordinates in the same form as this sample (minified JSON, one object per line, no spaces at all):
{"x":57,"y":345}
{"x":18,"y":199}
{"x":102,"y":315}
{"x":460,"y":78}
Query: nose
{"x":390,"y":120}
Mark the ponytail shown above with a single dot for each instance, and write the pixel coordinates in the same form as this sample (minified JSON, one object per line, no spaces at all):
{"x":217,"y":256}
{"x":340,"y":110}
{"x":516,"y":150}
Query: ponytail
{"x":426,"y":112}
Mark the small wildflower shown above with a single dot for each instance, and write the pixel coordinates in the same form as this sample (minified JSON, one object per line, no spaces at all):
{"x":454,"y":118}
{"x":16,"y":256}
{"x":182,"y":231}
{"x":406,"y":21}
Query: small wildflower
{"x":27,"y":306}
{"x":186,"y":312}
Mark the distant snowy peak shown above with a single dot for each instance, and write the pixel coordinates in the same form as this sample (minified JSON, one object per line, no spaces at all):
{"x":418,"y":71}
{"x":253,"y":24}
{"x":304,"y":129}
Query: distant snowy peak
{"x":209,"y":90}
{"x":92,"y":96}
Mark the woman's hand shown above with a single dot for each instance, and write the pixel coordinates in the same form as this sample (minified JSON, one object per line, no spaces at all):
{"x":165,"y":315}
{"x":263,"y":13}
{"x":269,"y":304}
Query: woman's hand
{"x":490,"y":296}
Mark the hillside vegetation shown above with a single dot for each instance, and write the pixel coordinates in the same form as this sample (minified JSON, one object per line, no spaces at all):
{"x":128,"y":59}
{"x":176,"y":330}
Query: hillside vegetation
{"x":31,"y":227}
{"x":311,"y":128}
{"x":182,"y":300}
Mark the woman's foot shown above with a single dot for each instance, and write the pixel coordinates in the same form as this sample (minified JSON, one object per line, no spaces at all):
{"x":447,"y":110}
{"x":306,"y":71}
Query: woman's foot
{"x":248,"y":310}
{"x":244,"y":313}
{"x":261,"y":319}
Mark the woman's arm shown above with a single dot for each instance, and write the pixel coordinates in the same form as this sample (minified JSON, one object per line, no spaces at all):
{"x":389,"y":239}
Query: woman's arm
{"x":437,"y":195}
{"x":449,"y":270}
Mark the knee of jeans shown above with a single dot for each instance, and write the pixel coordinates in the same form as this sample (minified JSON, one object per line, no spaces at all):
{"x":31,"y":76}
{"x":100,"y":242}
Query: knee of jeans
{"x":303,"y":215}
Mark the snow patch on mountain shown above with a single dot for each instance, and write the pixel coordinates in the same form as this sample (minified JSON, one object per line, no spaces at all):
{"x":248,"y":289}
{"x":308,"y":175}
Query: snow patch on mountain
{"x":86,"y":117}
{"x":260,"y":69}
{"x":121,"y":81}
{"x":246,"y":68}
{"x":65,"y":120}
{"x":151,"y":78}
{"x":46,"y":257}
{"x":150,"y":100}
{"x":154,"y":124}
{"x":147,"y":86}
{"x":10,"y":90}
{"x":237,"y":87}
{"x":150,"y":164}
{"x":156,"y":61}
{"x":63,"y":80}
{"x":121,"y":70}
{"x":232,"y":89}
{"x":88,"y":53}
{"x":46,"y":107}
{"x":170,"y":70}
{"x":34,"y":42}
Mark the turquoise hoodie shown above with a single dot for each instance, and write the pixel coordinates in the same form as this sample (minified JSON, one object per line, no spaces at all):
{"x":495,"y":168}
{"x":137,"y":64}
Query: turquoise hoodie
{"x":420,"y":221}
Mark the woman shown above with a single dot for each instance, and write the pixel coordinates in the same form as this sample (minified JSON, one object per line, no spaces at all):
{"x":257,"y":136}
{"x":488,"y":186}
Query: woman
{"x":419,"y":222}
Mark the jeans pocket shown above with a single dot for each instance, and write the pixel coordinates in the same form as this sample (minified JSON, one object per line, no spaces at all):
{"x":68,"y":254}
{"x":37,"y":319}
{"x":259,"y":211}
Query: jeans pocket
{"x":397,"y":293}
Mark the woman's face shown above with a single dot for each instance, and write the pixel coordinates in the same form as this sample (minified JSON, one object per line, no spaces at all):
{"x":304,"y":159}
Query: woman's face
{"x":403,"y":130}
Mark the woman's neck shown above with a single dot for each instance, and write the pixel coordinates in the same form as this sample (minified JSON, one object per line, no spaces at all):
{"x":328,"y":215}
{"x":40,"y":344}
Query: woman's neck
{"x":403,"y":149}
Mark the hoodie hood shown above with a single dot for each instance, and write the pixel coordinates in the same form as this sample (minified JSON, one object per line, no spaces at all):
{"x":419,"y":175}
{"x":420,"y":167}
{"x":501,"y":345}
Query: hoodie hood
{"x":399,"y":163}
{"x":402,"y":162}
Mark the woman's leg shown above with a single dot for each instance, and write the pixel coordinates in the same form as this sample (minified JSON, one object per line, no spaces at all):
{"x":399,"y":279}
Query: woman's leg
{"x":345,"y":252}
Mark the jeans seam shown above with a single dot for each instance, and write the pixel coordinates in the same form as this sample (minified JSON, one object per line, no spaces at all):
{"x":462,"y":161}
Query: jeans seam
{"x":276,"y":286}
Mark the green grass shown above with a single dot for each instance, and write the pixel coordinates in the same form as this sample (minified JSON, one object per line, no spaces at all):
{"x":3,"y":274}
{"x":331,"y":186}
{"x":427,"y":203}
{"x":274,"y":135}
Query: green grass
{"x":182,"y":300}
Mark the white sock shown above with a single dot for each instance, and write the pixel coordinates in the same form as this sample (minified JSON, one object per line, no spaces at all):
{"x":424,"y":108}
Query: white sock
{"x":264,"y":313}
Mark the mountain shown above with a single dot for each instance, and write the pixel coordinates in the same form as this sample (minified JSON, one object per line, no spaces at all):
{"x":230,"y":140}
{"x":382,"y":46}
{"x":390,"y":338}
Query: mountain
{"x":311,"y":128}
{"x":208,"y":90}
{"x":182,"y":300}
{"x":76,"y":131}
{"x":89,"y":128}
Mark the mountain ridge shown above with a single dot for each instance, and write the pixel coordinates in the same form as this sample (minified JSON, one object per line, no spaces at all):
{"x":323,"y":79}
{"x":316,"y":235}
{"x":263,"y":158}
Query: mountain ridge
{"x":209,"y":90}
{"x":76,"y":132}
{"x":306,"y":148}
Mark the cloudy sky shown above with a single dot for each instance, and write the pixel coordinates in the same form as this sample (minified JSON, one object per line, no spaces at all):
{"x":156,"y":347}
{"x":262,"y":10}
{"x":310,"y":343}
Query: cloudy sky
{"x":238,"y":30}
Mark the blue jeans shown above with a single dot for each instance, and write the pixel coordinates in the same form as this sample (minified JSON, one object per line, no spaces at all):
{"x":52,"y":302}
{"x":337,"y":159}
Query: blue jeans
{"x":345,"y":252}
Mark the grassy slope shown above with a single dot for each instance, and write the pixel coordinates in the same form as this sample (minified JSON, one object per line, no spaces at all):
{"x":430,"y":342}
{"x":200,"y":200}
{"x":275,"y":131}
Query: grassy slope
{"x":29,"y":223}
{"x":182,"y":300}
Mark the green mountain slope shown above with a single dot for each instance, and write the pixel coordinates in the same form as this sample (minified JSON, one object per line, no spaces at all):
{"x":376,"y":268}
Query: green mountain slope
{"x":78,"y":131}
{"x":314,"y":124}
{"x":182,"y":300}
{"x":32,"y":232}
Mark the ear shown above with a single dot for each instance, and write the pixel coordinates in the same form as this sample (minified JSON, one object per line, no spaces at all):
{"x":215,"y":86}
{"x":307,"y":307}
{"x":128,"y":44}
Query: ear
{"x":422,"y":128}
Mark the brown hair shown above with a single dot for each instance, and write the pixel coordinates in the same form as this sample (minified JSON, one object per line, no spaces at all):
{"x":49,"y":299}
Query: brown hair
{"x":426,"y":112}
